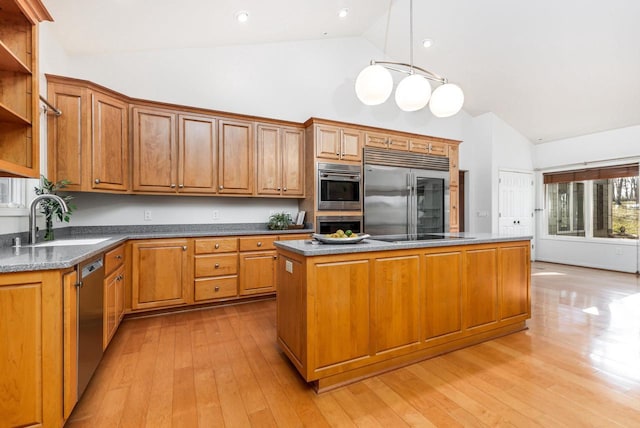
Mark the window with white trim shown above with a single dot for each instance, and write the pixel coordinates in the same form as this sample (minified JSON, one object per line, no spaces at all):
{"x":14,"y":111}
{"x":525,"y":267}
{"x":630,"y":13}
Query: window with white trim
{"x":594,"y":203}
{"x":12,"y":193}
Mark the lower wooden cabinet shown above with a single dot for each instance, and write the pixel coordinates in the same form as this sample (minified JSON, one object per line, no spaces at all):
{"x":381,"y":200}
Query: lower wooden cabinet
{"x":160,"y":273}
{"x":258,"y":272}
{"x":341,"y":317}
{"x":31,"y":355}
{"x":114,"y":304}
{"x":70,"y":342}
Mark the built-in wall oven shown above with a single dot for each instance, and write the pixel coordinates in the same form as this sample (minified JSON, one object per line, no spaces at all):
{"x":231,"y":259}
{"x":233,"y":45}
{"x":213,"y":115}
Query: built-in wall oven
{"x":339,"y":187}
{"x":330,"y":224}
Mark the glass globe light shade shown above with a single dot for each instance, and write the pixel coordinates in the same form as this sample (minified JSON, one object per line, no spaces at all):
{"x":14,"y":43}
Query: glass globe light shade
{"x":446,"y":100}
{"x":374,"y":85}
{"x":413,"y":93}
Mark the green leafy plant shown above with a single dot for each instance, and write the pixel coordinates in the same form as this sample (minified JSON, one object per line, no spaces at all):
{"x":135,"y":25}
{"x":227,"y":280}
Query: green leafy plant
{"x":279,"y":221}
{"x":51,"y":208}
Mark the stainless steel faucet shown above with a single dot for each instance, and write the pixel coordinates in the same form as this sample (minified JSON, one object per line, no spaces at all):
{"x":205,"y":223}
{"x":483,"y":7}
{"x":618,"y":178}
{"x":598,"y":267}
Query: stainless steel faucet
{"x":33,"y":232}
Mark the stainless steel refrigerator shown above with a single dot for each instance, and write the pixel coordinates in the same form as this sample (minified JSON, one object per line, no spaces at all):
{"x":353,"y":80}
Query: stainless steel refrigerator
{"x":400,"y":201}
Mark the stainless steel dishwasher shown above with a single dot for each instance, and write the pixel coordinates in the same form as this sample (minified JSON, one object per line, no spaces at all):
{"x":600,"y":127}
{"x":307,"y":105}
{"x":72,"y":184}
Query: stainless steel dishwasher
{"x":90,"y":319}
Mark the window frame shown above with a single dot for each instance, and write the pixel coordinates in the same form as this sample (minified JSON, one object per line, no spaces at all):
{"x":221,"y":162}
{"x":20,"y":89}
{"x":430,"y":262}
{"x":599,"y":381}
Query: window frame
{"x":19,"y":195}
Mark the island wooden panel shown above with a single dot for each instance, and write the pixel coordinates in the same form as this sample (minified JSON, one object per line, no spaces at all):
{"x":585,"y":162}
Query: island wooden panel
{"x":346,"y":316}
{"x":395,"y":291}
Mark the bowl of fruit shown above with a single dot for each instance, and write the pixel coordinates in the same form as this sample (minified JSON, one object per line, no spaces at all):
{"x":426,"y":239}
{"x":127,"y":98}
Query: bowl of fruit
{"x":340,"y":237}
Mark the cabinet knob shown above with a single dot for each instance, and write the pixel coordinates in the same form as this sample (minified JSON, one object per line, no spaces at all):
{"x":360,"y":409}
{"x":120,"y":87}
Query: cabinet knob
{"x":285,"y":189}
{"x":216,"y":288}
{"x":173,"y":186}
{"x":184,"y":248}
{"x":216,"y":246}
{"x":343,"y":155}
{"x":181,"y":186}
{"x":259,"y":244}
{"x":118,"y":257}
{"x":275,"y":257}
{"x":221,"y":187}
{"x":337,"y":154}
{"x":278,"y":189}
{"x":217,"y":266}
{"x":97,"y":181}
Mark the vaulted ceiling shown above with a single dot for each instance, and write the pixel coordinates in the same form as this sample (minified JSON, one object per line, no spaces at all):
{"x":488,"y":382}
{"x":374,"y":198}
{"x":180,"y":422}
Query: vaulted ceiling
{"x":552,"y":69}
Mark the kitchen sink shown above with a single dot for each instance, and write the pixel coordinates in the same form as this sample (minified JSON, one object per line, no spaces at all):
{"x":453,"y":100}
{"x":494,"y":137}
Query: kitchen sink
{"x":70,"y":242}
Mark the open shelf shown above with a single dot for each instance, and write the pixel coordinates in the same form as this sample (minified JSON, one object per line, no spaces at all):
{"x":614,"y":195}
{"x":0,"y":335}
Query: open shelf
{"x":10,"y":62}
{"x":8,"y":115}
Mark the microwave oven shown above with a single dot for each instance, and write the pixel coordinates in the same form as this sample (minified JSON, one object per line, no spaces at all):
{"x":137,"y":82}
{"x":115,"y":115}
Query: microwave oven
{"x":339,"y":187}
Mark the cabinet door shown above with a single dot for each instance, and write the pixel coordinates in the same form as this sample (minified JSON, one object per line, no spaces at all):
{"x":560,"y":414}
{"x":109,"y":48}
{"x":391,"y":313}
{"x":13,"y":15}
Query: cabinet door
{"x":395,"y":293}
{"x":110,"y":148}
{"x":70,"y":342}
{"x":327,"y":142}
{"x":514,"y":272}
{"x":109,"y":315}
{"x":155,"y":150}
{"x":454,"y":212}
{"x":293,"y":162}
{"x":258,"y":272}
{"x":376,"y":140}
{"x":438,"y":148}
{"x":340,"y":313}
{"x":454,"y":169}
{"x":351,"y":144}
{"x":197,"y":142}
{"x":398,"y":143}
{"x":67,"y":159}
{"x":31,"y":355}
{"x":481,"y":282}
{"x":159,"y":273}
{"x":442,"y":305}
{"x":269,"y":160}
{"x":236,"y":172}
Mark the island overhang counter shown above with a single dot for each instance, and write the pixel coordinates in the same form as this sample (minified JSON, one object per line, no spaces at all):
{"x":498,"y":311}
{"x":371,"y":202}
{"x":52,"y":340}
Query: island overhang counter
{"x":345,"y":312}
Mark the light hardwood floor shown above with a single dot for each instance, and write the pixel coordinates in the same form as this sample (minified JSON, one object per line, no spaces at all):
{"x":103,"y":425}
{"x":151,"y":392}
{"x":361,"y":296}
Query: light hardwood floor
{"x":577,"y":365}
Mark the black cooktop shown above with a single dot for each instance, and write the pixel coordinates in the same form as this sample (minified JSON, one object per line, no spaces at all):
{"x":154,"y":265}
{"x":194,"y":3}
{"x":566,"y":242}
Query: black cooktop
{"x":415,"y":237}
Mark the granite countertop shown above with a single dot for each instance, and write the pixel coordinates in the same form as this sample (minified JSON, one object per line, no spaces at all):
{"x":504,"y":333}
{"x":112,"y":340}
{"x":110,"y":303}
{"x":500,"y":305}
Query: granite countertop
{"x":312,"y":248}
{"x":29,"y":258}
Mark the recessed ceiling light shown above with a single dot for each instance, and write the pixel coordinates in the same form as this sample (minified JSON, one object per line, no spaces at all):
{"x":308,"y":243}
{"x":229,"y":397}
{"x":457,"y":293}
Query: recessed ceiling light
{"x":242,"y":16}
{"x":427,"y":43}
{"x":342,"y":13}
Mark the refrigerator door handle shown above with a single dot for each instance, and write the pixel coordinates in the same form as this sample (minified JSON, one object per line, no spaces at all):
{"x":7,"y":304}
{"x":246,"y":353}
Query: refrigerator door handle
{"x":410,"y":203}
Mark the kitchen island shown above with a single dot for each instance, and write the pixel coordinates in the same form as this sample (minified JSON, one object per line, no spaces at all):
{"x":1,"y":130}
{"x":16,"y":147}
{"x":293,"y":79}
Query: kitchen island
{"x":345,"y":312}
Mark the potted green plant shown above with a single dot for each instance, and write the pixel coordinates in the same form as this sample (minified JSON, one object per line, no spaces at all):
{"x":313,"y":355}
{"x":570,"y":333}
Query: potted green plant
{"x":51,"y":208}
{"x":279,"y":221}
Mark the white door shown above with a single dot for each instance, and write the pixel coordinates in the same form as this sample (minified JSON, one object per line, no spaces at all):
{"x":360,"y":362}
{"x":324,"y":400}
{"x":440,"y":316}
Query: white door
{"x":515,"y":203}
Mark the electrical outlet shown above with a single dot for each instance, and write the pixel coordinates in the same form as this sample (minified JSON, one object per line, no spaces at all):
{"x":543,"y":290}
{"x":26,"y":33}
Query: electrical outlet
{"x":288,"y":266}
{"x":147,"y":215}
{"x":215,"y":215}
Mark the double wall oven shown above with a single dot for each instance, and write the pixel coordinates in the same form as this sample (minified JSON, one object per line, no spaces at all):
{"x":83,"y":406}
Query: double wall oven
{"x":339,"y":189}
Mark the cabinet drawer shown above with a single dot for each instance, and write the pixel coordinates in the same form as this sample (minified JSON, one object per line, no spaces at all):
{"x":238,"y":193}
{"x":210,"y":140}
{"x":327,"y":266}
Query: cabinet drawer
{"x":216,"y":245}
{"x":294,"y":237}
{"x":257,"y":243}
{"x":216,"y":288}
{"x":113,"y":259}
{"x":217,"y":265}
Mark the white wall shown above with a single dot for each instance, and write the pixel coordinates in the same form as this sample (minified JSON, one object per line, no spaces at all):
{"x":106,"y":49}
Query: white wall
{"x":603,"y":148}
{"x":289,"y":81}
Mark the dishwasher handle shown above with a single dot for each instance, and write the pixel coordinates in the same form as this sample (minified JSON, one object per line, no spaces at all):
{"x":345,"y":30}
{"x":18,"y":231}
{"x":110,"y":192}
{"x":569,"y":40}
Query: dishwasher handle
{"x":90,"y":268}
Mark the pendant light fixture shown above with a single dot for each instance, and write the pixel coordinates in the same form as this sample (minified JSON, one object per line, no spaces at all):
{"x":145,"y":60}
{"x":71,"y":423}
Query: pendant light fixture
{"x":375,"y":84}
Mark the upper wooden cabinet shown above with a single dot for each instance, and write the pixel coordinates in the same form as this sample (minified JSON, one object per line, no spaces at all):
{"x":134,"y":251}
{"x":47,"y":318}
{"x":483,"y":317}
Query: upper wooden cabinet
{"x":19,"y":87}
{"x":429,"y":146}
{"x":173,"y":153}
{"x":236,"y":170}
{"x":338,"y":143}
{"x":280,"y":161}
{"x":386,"y":141}
{"x":155,"y":150}
{"x":89,"y":143}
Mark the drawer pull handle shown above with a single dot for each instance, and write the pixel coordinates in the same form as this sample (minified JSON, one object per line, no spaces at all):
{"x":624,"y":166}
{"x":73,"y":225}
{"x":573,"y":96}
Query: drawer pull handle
{"x":173,"y":186}
{"x":275,"y":257}
{"x":259,"y":244}
{"x":285,"y":189}
{"x":216,"y":246}
{"x":216,"y":289}
{"x":119,"y":257}
{"x":184,"y":248}
{"x":217,"y":266}
{"x":97,"y":181}
{"x":221,"y":187}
